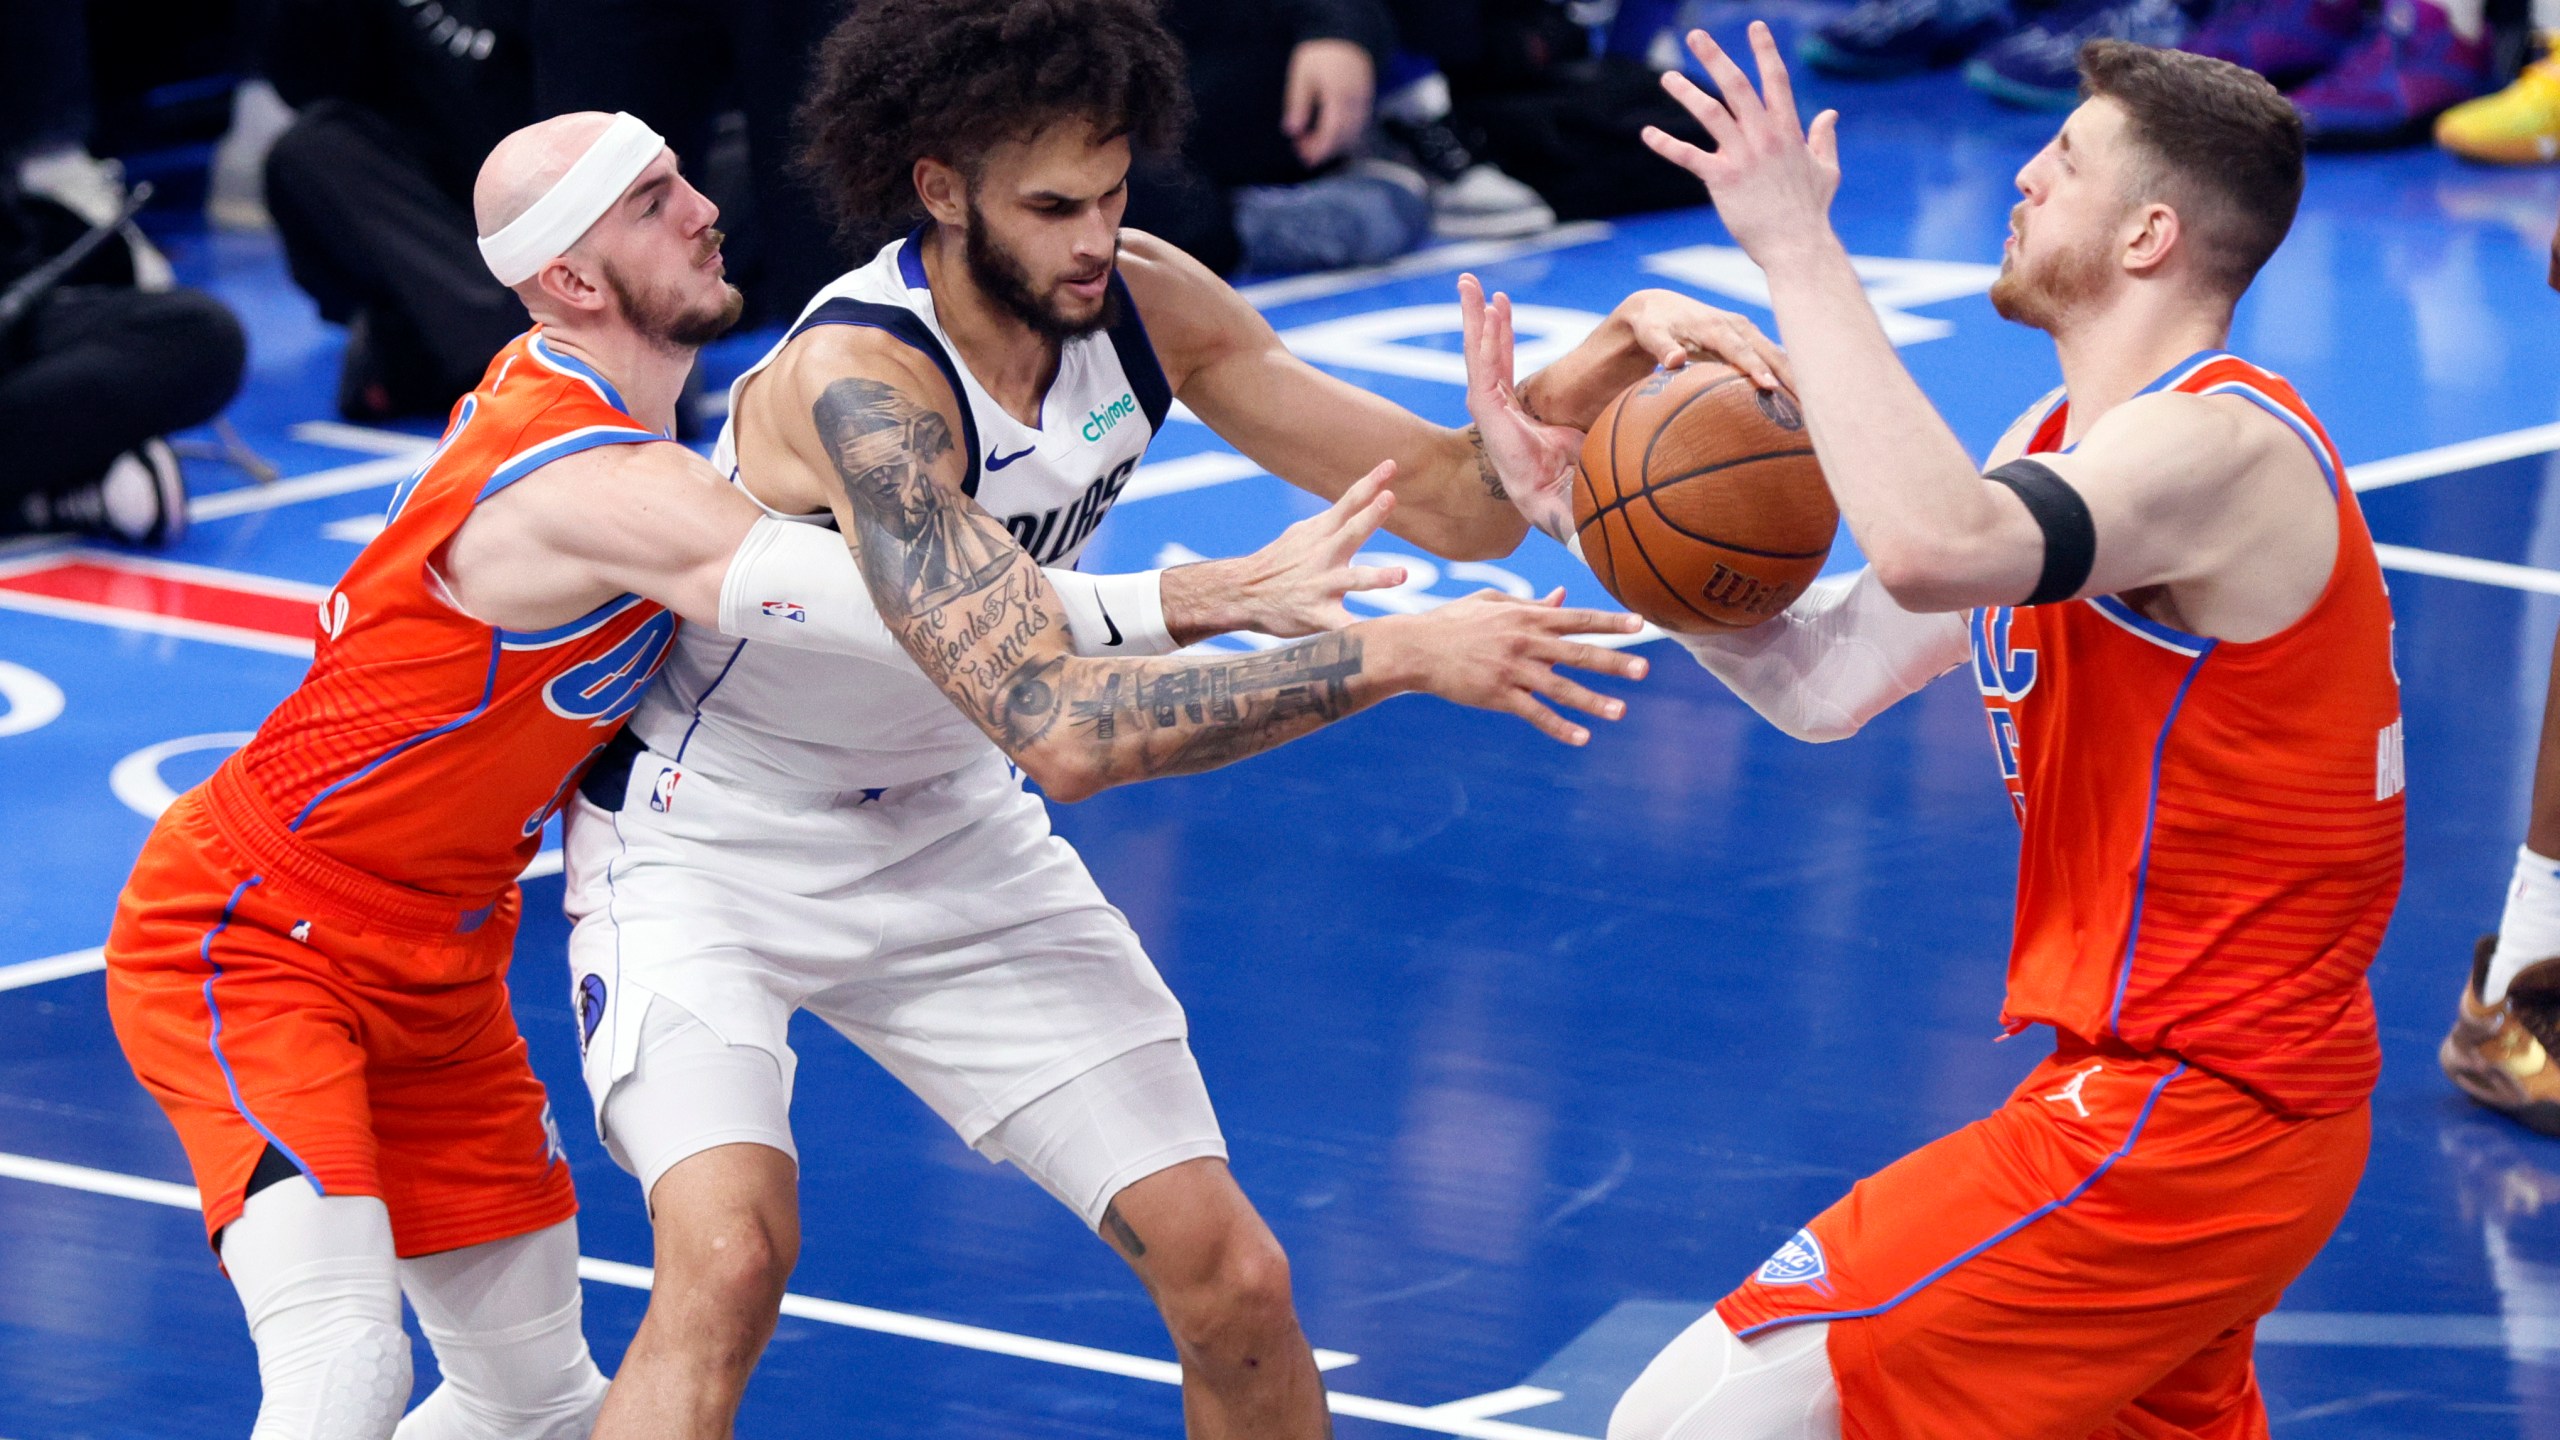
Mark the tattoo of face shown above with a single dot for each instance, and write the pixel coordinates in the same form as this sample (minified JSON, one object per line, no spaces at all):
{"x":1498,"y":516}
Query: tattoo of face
{"x":978,"y":617}
{"x":1116,"y":1229}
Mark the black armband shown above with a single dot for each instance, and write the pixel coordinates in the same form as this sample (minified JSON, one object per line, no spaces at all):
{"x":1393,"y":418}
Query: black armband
{"x":2070,"y":540}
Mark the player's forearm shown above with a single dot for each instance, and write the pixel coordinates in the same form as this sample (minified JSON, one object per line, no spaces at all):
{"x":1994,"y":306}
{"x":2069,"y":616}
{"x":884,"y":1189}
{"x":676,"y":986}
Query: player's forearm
{"x":1580,"y":383}
{"x":1911,"y":495}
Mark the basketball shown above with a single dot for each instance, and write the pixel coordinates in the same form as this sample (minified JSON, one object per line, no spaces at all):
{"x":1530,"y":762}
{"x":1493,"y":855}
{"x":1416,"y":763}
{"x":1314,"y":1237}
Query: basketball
{"x":1699,"y":502}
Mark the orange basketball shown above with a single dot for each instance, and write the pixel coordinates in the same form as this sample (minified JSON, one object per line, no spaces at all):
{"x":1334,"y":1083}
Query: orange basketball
{"x":1699,"y":502}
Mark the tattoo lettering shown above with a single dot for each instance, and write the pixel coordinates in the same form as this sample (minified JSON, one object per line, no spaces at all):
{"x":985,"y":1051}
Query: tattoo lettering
{"x":1485,"y":473}
{"x":1117,"y":1230}
{"x":978,"y":617}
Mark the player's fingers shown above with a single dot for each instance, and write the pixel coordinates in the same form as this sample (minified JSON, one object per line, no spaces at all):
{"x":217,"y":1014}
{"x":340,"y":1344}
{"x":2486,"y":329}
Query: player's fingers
{"x":1361,"y":528}
{"x":1775,"y":84}
{"x":1704,"y":108}
{"x":1753,"y":353}
{"x":1824,"y":138}
{"x":1598,"y":659}
{"x":1371,"y":577}
{"x":1564,"y":690}
{"x":1731,"y":83}
{"x":1562,"y":621}
{"x":1363,"y":491}
{"x":1519,"y":703}
{"x":1678,"y":151}
{"x":1471,"y":322}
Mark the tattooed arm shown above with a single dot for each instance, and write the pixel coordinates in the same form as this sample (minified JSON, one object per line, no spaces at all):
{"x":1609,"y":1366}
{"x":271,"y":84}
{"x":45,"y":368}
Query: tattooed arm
{"x":983,"y":624}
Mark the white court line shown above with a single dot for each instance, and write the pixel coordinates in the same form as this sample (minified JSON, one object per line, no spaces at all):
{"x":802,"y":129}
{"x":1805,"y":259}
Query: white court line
{"x":52,"y":967}
{"x":318,"y":485}
{"x":2465,"y":567}
{"x":883,"y":1322}
{"x":364,"y":439}
{"x":2446,"y":459}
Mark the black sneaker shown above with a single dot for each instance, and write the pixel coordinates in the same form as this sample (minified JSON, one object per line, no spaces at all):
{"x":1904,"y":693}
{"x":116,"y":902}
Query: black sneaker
{"x":141,"y":500}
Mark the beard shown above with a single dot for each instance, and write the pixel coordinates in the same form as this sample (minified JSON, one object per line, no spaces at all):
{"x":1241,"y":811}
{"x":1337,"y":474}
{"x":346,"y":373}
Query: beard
{"x":1001,"y":276}
{"x":664,"y":318}
{"x":2045,"y":296}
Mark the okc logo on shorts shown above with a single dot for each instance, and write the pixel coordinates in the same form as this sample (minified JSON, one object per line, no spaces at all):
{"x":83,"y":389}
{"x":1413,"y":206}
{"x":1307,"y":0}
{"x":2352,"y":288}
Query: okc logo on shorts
{"x":1798,"y":1262}
{"x":792,"y":611}
{"x":590,"y":1008}
{"x":552,"y":1148}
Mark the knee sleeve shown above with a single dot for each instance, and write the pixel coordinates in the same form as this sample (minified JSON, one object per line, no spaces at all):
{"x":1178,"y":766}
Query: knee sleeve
{"x":1112,"y":1126}
{"x":504,"y":1320}
{"x":1707,"y":1385}
{"x":322,"y":1291}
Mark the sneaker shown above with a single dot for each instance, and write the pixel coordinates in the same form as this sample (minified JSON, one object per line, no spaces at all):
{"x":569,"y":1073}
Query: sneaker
{"x":2038,"y":68}
{"x":141,"y":500}
{"x":2408,"y":69}
{"x":1470,"y":198}
{"x":2519,"y":125}
{"x":2500,"y":1055}
{"x":2288,"y":41}
{"x":1363,"y":213}
{"x":1877,"y":38}
{"x":93,"y":189}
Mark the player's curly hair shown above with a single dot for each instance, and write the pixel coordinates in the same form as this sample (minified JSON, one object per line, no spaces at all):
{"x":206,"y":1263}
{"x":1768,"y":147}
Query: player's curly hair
{"x":901,"y":80}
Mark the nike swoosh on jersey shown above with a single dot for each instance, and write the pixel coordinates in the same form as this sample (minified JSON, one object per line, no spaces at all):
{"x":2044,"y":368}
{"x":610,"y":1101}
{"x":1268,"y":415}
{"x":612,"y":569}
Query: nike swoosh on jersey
{"x":998,"y":462}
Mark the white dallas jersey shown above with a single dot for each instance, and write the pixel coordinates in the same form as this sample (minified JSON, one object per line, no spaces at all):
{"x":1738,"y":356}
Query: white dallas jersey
{"x":803,"y":720}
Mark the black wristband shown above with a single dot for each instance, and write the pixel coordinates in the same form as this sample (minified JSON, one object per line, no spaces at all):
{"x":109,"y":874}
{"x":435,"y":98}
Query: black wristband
{"x":2070,"y":540}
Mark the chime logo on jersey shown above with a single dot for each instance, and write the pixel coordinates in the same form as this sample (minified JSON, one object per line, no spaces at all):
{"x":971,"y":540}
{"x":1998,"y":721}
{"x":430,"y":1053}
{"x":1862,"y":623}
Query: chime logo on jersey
{"x":1046,"y":537}
{"x":790,"y":610}
{"x":1798,"y":1262}
{"x":1107,"y":418}
{"x":608,"y":687}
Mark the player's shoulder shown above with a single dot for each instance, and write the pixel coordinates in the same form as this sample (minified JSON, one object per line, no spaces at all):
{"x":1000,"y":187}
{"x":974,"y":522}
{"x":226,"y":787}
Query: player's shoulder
{"x":822,"y":357}
{"x":1191,"y":314}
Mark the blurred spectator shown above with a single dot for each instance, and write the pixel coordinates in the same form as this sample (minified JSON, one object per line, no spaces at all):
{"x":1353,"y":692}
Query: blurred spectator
{"x":2362,"y":78}
{"x":681,"y":65}
{"x":2519,"y":125}
{"x":1271,"y":178}
{"x":45,"y":117}
{"x":2020,"y":52}
{"x":1471,"y":198}
{"x":370,"y":187}
{"x":92,"y":373}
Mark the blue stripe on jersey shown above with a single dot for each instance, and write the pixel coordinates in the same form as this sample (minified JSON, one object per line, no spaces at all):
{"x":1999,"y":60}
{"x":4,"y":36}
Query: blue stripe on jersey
{"x":488,"y":689}
{"x":571,"y":365}
{"x":1138,"y":358}
{"x":526,"y":462}
{"x":907,"y":326}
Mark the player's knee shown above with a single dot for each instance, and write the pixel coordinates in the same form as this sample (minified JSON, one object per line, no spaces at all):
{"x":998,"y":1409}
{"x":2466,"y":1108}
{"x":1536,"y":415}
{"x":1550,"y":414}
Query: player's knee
{"x":1240,"y":1298}
{"x":348,"y":1381}
{"x":736,"y":1266}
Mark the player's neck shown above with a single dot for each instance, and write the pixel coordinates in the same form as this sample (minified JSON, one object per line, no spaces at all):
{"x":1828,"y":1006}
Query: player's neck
{"x":1011,"y":361}
{"x":2109,"y":357}
{"x":649,"y":376}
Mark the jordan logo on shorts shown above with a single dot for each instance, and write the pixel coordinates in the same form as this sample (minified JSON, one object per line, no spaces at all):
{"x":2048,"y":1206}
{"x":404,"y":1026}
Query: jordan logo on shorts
{"x":2071,"y":1091}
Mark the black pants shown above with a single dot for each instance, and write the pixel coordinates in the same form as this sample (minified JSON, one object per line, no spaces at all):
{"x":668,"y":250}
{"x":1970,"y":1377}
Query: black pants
{"x":91,"y":373}
{"x":678,"y":64}
{"x":366,"y":230}
{"x":1239,"y":84}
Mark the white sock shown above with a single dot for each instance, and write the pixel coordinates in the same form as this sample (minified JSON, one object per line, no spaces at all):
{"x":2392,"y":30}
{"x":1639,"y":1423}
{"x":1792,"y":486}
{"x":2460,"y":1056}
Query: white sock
{"x":2465,"y":17}
{"x":2530,"y":930}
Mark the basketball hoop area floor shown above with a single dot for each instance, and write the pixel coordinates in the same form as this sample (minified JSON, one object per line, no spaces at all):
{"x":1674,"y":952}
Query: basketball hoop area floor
{"x":1527,"y":1053}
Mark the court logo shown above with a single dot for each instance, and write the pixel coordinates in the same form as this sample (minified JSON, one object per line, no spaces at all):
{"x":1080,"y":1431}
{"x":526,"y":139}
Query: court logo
{"x":590,"y":1008}
{"x":1798,"y":1262}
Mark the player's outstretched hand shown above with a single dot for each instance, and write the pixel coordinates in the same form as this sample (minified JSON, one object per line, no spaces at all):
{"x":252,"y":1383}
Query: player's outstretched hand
{"x":1674,"y":329}
{"x":1531,"y":460}
{"x":1294,"y":585}
{"x":1498,"y":653}
{"x":1770,"y":178}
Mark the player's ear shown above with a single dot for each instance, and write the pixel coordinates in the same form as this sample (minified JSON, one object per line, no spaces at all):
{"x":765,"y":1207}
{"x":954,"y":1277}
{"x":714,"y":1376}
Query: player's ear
{"x":2153,"y":232}
{"x":569,"y":287}
{"x":943,"y":189}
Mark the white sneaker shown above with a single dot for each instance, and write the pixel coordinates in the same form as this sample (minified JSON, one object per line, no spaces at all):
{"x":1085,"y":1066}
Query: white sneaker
{"x":1485,"y":204}
{"x":141,"y":500}
{"x":237,"y":197}
{"x":93,"y":189}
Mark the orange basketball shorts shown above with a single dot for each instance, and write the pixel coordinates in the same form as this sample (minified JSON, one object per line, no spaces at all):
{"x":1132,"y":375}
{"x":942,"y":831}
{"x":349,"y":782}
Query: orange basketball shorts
{"x":2087,"y":1262}
{"x":268,"y":997}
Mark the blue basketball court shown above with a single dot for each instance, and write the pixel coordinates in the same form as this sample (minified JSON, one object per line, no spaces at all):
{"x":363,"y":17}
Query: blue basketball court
{"x":1527,"y":1053}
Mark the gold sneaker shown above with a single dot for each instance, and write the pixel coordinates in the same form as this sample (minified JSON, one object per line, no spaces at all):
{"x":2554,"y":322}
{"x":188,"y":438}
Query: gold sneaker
{"x":2502,"y":1055}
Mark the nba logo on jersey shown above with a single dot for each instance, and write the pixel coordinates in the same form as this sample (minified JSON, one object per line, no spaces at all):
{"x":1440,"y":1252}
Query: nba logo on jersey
{"x":1798,"y":1262}
{"x":662,"y":795}
{"x":792,"y":611}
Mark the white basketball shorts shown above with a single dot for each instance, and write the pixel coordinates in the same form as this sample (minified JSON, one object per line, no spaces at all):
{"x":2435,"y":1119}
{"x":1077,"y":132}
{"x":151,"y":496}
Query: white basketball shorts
{"x":939,"y":925}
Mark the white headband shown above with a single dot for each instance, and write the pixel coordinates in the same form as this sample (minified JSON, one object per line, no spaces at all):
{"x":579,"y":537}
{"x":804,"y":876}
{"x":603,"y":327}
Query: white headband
{"x":572,"y":206}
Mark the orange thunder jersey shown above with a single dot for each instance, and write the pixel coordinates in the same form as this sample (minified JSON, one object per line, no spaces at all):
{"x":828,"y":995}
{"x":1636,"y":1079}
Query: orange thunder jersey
{"x":424,"y":747}
{"x":2213,"y":829}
